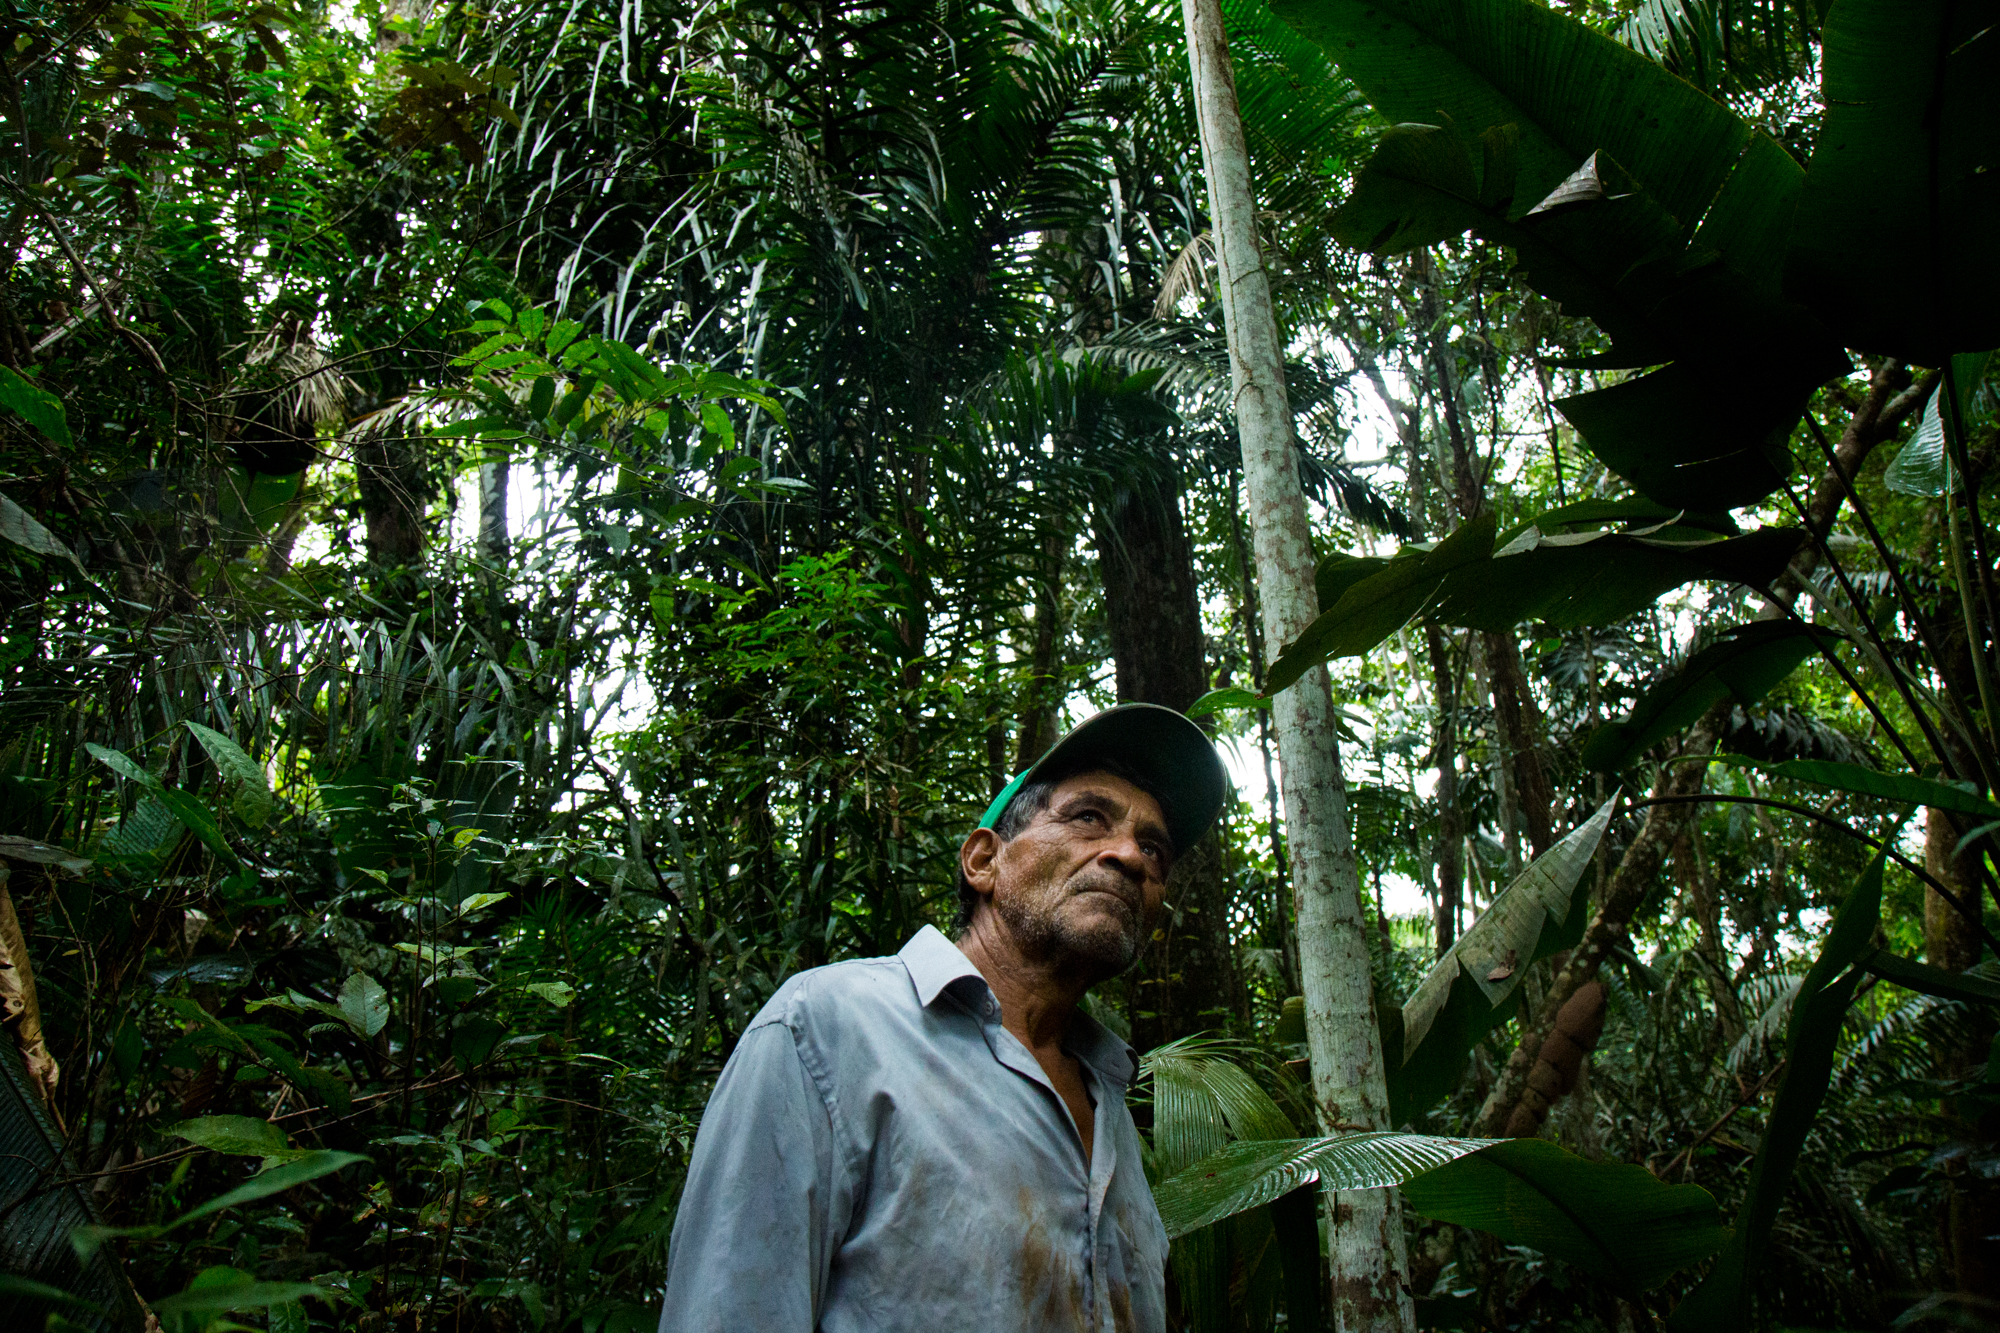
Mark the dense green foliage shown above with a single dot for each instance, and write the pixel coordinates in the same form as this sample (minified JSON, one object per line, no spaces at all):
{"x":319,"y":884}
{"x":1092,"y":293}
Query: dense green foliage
{"x":521,"y":528}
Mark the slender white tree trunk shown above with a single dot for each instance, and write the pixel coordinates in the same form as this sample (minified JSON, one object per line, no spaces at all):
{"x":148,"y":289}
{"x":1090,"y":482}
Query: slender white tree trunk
{"x":1370,"y":1262}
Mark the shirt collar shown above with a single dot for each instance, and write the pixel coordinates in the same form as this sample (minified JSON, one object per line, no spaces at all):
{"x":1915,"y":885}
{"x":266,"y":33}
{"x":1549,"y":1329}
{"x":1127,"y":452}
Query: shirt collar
{"x":1102,"y":1049}
{"x":934,"y":963}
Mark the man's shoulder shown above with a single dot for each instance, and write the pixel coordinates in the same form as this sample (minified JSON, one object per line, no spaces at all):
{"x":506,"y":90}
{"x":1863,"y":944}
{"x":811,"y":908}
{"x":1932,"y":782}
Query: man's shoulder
{"x":841,"y":993}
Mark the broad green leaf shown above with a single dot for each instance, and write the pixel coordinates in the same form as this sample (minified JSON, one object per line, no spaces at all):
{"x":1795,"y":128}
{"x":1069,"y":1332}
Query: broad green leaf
{"x":267,"y":498}
{"x":1903,"y":787}
{"x":1600,"y":578}
{"x":1705,"y":433}
{"x":200,"y":820}
{"x":122,"y":766}
{"x":1427,"y":183}
{"x":541,"y":397}
{"x":1252,"y":1172}
{"x":1702,"y":433}
{"x":1569,"y":90}
{"x":149,"y":830}
{"x":278,"y":1179}
{"x":1466,"y":992}
{"x":37,"y":406}
{"x":473,"y":902}
{"x":558,"y":993}
{"x":473,"y":1040}
{"x":1927,"y":980}
{"x":1744,"y":663}
{"x":364,"y":1004}
{"x":1922,"y":467}
{"x":1230,"y":696}
{"x":219,"y":1289}
{"x":1903,"y":165}
{"x":1374,"y":607}
{"x":20,"y":527}
{"x":1631,"y":509}
{"x":1720,"y":1303}
{"x":1618,"y":1222}
{"x":15,"y":848}
{"x":1563,"y":579}
{"x":254,"y":800}
{"x":240,"y":1135}
{"x":27,"y":1289}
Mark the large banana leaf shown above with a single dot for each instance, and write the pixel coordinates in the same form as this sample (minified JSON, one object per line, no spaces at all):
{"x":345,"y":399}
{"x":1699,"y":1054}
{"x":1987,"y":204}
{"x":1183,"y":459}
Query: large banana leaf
{"x":1618,"y":1222}
{"x":1720,"y":1303}
{"x":1903,"y":179}
{"x":1712,"y":430}
{"x":1629,"y":196}
{"x":1467,"y":991}
{"x":1428,"y":183}
{"x":1564,"y":579}
{"x":1904,"y":787}
{"x":1569,"y":90}
{"x":1374,"y":607}
{"x":1744,"y":663}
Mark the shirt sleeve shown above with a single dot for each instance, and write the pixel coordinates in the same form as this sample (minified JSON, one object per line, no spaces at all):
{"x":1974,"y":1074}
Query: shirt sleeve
{"x":764,"y":1206}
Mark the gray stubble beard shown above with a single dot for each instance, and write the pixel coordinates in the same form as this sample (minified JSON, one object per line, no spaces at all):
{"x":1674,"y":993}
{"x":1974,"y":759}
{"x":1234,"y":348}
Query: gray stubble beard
{"x":1040,"y":931}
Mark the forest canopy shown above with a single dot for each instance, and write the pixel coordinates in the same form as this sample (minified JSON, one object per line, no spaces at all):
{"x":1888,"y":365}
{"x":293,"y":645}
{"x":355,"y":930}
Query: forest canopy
{"x":522,"y":527}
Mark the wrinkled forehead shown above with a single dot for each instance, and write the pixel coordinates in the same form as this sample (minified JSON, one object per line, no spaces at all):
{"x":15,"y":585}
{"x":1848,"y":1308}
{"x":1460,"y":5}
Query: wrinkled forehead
{"x":1121,"y":796}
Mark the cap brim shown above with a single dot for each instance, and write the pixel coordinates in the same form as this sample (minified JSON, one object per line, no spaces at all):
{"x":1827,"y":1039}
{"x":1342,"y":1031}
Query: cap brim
{"x":1177,"y":760}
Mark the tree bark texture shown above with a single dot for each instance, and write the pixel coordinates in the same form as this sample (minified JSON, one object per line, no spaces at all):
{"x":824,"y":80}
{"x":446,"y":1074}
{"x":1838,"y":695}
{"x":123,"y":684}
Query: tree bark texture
{"x":394,"y":493}
{"x":1186,"y":979}
{"x":1042,"y":693}
{"x":1369,"y":1259}
{"x":1533,"y":1078}
{"x":1449,"y":850}
{"x":1521,"y":732}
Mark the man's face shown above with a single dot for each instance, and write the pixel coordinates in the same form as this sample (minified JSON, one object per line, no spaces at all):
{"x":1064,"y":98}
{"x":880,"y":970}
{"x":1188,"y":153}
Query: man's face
{"x":1080,"y":883}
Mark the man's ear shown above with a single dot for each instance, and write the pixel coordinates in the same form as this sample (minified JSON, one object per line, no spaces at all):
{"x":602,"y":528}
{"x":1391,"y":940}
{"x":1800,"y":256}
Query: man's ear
{"x":976,"y":857}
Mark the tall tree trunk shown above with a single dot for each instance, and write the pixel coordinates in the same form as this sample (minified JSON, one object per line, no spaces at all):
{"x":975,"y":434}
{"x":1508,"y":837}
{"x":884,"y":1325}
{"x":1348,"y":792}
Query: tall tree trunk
{"x":1187,"y":977}
{"x":1043,"y":690}
{"x":494,"y":540}
{"x":1521,"y":731}
{"x":1370,"y":1262}
{"x":1449,"y":849}
{"x":394,"y":493}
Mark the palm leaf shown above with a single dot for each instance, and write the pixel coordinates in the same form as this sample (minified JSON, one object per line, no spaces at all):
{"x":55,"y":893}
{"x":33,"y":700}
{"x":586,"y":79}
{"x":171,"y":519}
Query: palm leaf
{"x":1250,"y":1173}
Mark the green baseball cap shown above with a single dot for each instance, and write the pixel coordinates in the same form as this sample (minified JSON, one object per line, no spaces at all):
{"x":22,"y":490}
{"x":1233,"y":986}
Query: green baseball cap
{"x":1175,"y":757}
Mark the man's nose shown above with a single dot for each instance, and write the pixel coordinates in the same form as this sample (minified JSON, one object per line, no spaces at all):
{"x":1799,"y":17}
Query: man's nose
{"x":1124,"y":849}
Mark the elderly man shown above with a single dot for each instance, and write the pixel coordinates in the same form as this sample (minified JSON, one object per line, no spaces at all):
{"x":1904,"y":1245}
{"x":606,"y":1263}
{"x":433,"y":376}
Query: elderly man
{"x":939,"y":1141}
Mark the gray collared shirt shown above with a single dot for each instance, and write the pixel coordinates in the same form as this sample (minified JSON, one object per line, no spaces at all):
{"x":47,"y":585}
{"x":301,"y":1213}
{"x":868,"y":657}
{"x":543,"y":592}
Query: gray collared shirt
{"x":882,"y":1156}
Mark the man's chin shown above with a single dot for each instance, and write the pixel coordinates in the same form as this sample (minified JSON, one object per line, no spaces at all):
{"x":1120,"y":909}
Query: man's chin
{"x":1105,"y":945}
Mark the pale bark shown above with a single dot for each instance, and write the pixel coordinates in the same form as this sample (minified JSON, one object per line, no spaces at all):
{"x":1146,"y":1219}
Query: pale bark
{"x":1369,"y":1259}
